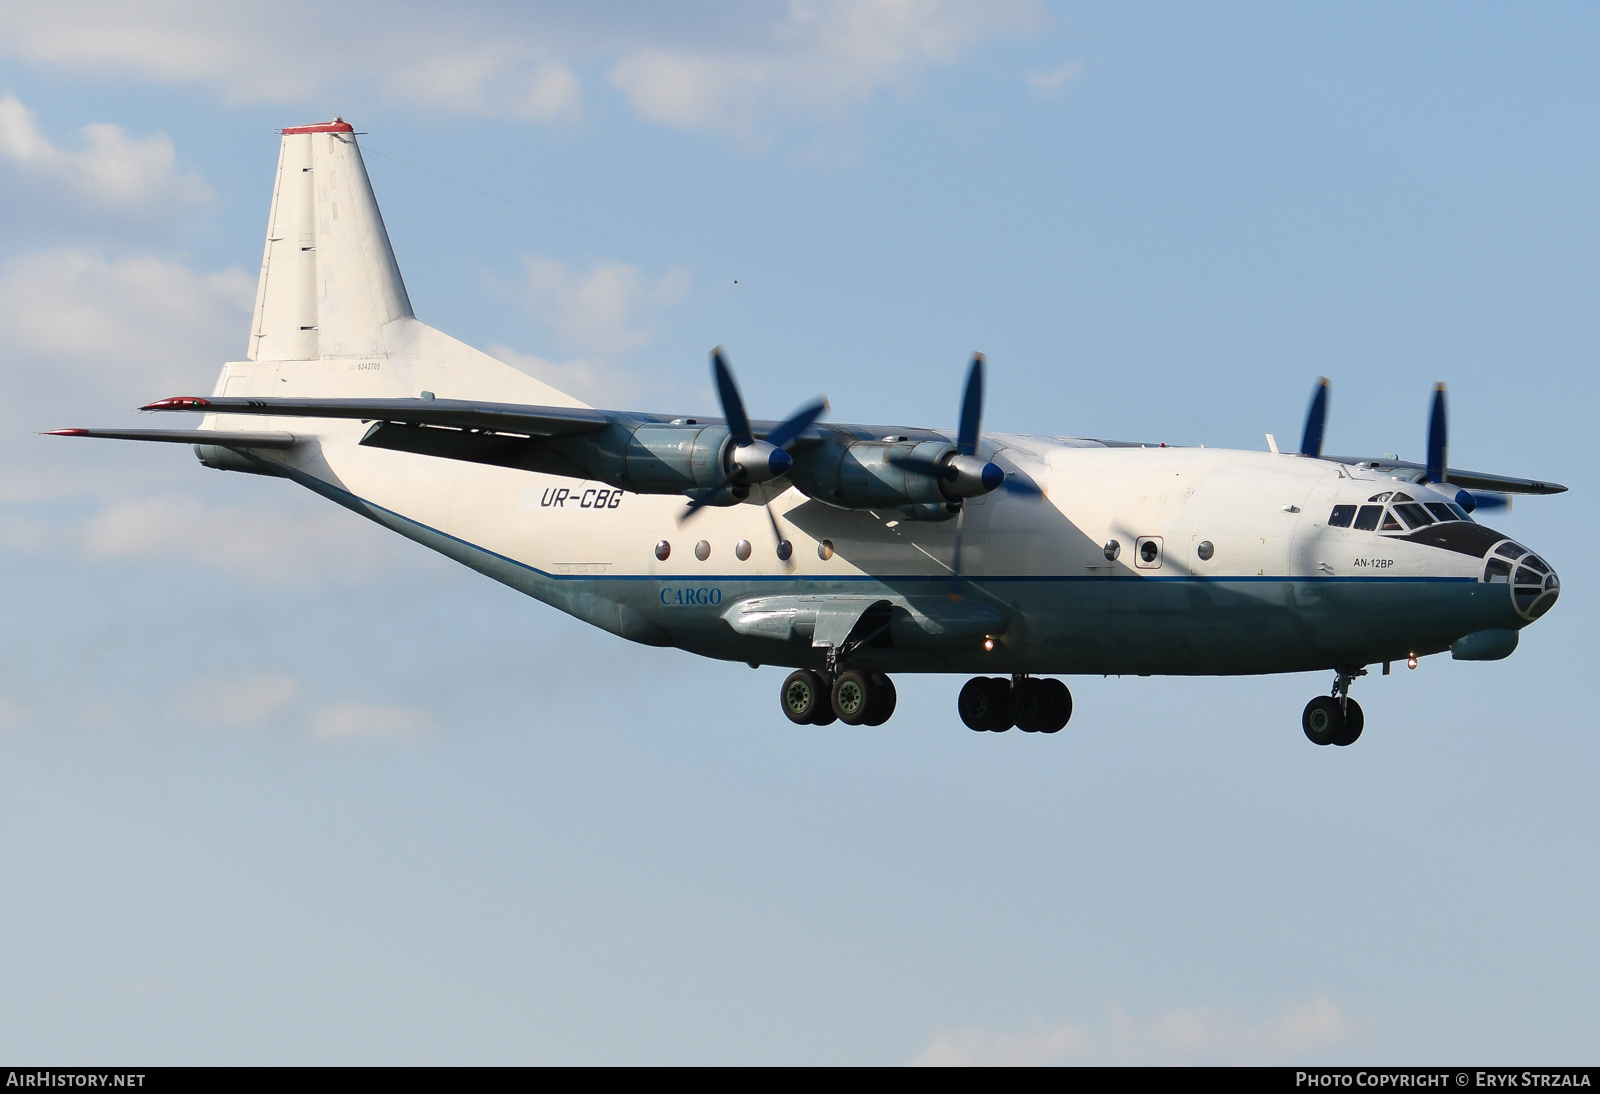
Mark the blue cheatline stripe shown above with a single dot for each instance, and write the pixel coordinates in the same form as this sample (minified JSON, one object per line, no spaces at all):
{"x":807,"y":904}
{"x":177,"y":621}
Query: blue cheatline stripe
{"x":352,"y":501}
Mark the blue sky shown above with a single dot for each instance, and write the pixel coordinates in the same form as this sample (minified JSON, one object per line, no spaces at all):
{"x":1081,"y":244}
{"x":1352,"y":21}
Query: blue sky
{"x":275,"y":787}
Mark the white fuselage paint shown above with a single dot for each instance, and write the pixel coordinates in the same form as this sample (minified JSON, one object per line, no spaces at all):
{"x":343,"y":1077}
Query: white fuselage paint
{"x":1280,"y":591}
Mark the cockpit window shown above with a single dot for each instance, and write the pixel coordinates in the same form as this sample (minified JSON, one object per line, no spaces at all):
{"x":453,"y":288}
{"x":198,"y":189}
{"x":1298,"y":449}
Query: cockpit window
{"x":1414,"y":515}
{"x":1389,"y":523}
{"x":1459,"y":512}
{"x":1367,"y":518}
{"x":1402,"y":497}
{"x":1341,"y":517}
{"x":1385,"y":496}
{"x":1510,"y":550}
{"x":1441,"y":510}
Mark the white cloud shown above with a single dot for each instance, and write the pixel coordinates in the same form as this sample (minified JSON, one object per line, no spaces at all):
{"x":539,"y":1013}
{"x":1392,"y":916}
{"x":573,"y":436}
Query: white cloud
{"x":595,"y":382}
{"x":606,"y":310}
{"x":361,"y":721}
{"x":259,"y":543}
{"x":490,"y":82}
{"x":111,"y":168}
{"x":1192,"y":1035}
{"x":822,"y":58}
{"x":724,"y":65}
{"x":1049,"y":83}
{"x":300,"y":52}
{"x":247,"y":701}
{"x":140,"y":325}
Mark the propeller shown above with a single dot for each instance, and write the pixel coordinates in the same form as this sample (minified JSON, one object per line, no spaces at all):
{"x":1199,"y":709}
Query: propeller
{"x":962,"y":474}
{"x":1316,"y":421}
{"x":1438,"y":438}
{"x":748,"y":461}
{"x":1438,"y":459}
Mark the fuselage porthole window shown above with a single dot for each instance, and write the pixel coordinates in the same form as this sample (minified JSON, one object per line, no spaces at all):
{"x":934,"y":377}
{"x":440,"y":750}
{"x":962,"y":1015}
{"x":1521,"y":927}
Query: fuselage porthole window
{"x":1441,"y":510}
{"x":1341,"y":516}
{"x":1367,"y":518}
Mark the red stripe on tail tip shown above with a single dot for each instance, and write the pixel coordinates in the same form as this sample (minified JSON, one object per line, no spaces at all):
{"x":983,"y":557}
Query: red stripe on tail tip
{"x":338,"y":125}
{"x":181,"y":402}
{"x":67,"y":433}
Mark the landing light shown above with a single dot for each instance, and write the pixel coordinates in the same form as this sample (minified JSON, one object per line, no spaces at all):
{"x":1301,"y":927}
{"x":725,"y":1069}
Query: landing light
{"x":988,"y":645}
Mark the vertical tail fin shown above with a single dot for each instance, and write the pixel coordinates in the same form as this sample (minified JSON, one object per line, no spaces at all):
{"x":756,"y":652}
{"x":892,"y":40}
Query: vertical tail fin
{"x":332,"y":317}
{"x":329,"y":281}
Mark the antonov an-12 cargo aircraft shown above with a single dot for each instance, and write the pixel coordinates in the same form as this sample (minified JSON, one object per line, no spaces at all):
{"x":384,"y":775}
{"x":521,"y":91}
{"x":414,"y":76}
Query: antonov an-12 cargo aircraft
{"x":848,"y":552}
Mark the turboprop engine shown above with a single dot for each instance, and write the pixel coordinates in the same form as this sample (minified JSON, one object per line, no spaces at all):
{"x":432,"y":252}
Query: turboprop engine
{"x":925,"y":481}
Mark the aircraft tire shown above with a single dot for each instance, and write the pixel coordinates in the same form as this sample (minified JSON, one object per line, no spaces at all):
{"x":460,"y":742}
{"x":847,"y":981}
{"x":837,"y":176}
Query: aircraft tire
{"x":1062,"y":707}
{"x":803,"y":696}
{"x":882,"y":701}
{"x":985,"y":704}
{"x":1032,"y":705}
{"x":1354,"y":722}
{"x":1323,"y":720}
{"x":852,"y":697}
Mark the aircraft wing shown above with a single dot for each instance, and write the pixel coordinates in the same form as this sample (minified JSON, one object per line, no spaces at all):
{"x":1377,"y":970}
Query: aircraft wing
{"x":223,"y":438}
{"x":540,"y":421}
{"x":1470,"y":480}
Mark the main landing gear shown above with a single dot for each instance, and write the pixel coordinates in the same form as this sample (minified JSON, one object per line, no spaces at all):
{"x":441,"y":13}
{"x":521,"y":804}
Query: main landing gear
{"x":993,"y":704}
{"x":987,"y":703}
{"x":854,"y":697}
{"x":1335,"y":719}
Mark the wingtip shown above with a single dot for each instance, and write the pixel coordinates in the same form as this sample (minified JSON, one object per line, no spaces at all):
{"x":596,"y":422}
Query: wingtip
{"x":65,"y":433}
{"x":179,"y":402}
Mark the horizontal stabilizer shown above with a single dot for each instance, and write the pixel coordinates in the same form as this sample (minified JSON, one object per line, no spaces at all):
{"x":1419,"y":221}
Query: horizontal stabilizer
{"x":542,"y":421}
{"x":222,"y":438}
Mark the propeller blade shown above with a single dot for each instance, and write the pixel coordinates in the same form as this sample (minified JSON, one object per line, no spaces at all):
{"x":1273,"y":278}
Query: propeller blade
{"x":785,"y":548}
{"x":1316,"y":421}
{"x":1021,"y":487}
{"x":955,"y":558}
{"x":971,"y":409}
{"x":732,"y":404}
{"x":1438,"y":439}
{"x":796,"y":424}
{"x":705,"y":498}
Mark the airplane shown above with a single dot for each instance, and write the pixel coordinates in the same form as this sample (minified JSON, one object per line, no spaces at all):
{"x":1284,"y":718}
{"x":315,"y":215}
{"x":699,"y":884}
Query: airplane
{"x":848,"y":552}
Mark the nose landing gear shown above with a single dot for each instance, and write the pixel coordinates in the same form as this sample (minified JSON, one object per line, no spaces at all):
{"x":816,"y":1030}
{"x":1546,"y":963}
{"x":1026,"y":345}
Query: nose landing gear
{"x":1335,"y":719}
{"x":993,"y":704}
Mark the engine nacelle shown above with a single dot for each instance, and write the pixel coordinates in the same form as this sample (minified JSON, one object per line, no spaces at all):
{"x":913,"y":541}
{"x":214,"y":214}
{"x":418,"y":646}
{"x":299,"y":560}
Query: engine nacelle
{"x":654,"y":458}
{"x":863,"y":475}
